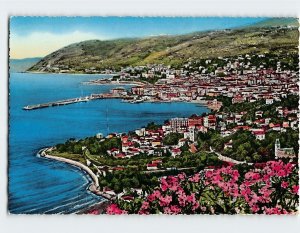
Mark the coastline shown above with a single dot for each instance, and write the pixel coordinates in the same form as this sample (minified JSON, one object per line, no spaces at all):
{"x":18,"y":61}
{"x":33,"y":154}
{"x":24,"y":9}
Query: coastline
{"x":43,"y":72}
{"x":93,"y":186}
{"x":134,"y":83}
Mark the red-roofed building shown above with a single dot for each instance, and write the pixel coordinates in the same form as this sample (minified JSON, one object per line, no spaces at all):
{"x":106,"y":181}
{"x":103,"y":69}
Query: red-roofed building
{"x":125,"y":139}
{"x":175,"y":152}
{"x":158,"y":161}
{"x":238,"y":99}
{"x":210,"y":121}
{"x":137,"y":90}
{"x":152,"y":166}
{"x":118,"y":168}
{"x":193,"y":148}
{"x":285,"y":124}
{"x":243,"y":127}
{"x":120,"y":156}
{"x":259,"y":134}
{"x":195,"y":120}
{"x":127,"y":198}
{"x":113,"y":151}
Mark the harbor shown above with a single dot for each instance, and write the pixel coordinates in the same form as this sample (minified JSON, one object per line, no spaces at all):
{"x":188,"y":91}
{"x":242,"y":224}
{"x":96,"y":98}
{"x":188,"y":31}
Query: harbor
{"x":124,"y":97}
{"x":74,"y":101}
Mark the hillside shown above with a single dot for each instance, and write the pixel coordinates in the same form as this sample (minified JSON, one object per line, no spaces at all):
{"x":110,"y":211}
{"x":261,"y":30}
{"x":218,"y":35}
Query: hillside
{"x":173,"y":50}
{"x":21,"y":65}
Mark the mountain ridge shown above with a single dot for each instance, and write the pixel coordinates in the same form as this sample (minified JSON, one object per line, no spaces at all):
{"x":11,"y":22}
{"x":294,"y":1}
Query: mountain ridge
{"x":171,"y":49}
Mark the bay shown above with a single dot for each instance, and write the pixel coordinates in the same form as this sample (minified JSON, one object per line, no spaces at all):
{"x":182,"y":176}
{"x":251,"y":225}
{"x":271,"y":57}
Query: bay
{"x":41,"y":186}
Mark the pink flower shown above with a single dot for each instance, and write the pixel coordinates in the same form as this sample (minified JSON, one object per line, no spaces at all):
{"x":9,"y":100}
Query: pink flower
{"x":163,"y":184}
{"x":191,"y":198}
{"x":284,"y":184}
{"x":115,"y":210}
{"x":156,"y":194}
{"x":249,"y":193}
{"x":235,"y":175}
{"x":145,"y":205}
{"x":195,"y":206}
{"x":95,"y":212}
{"x":209,"y":174}
{"x":252,"y":176}
{"x":174,"y":187}
{"x":151,"y":197}
{"x":167,"y":210}
{"x":175,"y":209}
{"x":295,"y":189}
{"x":195,"y":178}
{"x":146,"y":212}
{"x":282,"y":173}
{"x":181,"y":176}
{"x":182,"y":199}
{"x":266,"y":178}
{"x":255,"y":208}
{"x":165,"y":201}
{"x":275,"y":210}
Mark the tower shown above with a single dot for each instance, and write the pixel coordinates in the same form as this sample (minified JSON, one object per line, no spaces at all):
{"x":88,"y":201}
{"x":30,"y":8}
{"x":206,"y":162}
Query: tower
{"x":192,"y":133}
{"x":277,"y":147}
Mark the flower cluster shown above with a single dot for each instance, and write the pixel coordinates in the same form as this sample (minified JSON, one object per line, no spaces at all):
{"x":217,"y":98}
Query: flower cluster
{"x":114,"y":209}
{"x":271,"y":189}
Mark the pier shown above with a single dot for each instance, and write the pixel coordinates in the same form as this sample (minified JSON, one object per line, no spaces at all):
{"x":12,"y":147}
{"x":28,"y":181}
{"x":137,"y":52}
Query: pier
{"x":74,"y":101}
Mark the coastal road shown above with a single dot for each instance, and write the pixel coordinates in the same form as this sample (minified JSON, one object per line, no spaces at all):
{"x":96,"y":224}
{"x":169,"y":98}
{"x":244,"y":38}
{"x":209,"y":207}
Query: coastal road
{"x":163,"y":170}
{"x":227,"y":159}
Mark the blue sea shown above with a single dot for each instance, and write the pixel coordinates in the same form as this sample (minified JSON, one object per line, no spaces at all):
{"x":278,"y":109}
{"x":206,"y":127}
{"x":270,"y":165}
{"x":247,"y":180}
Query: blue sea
{"x":41,"y":186}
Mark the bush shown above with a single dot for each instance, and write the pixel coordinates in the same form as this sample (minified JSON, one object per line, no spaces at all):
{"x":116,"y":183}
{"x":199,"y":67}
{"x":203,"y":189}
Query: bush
{"x":272,"y":189}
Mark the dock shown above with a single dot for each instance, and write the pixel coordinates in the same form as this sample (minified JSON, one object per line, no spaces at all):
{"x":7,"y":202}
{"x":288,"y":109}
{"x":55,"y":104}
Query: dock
{"x":74,"y":101}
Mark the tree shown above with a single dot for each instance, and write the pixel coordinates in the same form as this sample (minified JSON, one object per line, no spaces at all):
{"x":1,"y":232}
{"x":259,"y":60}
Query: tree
{"x":241,"y":153}
{"x":257,"y":157}
{"x":135,"y":182}
{"x":77,"y":149}
{"x":172,"y":138}
{"x":152,"y":126}
{"x":185,"y":147}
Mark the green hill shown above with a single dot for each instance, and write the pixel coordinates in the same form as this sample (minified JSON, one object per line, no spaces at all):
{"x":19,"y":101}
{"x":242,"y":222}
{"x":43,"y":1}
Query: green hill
{"x":173,"y":50}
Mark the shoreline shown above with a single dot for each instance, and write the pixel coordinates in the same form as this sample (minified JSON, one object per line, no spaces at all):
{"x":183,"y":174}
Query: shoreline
{"x":93,"y":186}
{"x":42,"y":72}
{"x":201,"y":102}
{"x":110,"y":82}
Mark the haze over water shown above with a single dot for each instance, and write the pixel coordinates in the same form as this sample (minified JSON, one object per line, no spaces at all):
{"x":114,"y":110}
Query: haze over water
{"x":38,"y":185}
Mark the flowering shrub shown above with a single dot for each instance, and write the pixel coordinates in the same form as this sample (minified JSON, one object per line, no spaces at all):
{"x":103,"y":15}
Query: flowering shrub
{"x":272,"y":189}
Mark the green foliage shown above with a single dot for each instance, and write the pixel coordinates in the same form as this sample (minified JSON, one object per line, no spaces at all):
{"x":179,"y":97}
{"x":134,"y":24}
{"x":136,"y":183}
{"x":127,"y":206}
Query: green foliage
{"x":172,"y":138}
{"x":94,"y":145}
{"x":246,"y":147}
{"x":152,"y":126}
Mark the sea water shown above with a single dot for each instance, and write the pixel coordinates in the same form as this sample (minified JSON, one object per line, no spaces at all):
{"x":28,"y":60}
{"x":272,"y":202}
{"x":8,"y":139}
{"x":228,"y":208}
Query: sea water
{"x":41,"y":186}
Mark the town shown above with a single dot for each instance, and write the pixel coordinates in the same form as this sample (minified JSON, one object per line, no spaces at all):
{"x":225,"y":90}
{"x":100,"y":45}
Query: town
{"x":238,"y":79}
{"x":253,"y":119}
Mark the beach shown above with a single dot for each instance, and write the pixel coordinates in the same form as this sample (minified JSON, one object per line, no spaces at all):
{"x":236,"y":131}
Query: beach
{"x":93,"y":187}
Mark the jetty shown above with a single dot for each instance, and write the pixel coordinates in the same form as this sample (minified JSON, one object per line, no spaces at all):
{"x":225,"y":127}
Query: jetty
{"x":75,"y":100}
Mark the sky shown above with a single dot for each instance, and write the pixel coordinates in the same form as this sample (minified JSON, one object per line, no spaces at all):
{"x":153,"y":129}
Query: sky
{"x":39,"y":36}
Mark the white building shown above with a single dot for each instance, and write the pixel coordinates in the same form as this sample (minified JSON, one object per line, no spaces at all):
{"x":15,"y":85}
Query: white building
{"x":283,"y":152}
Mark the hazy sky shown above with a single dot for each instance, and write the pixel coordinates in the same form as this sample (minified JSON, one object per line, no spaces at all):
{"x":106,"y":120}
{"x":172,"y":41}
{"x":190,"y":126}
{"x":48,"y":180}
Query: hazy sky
{"x":39,"y":36}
